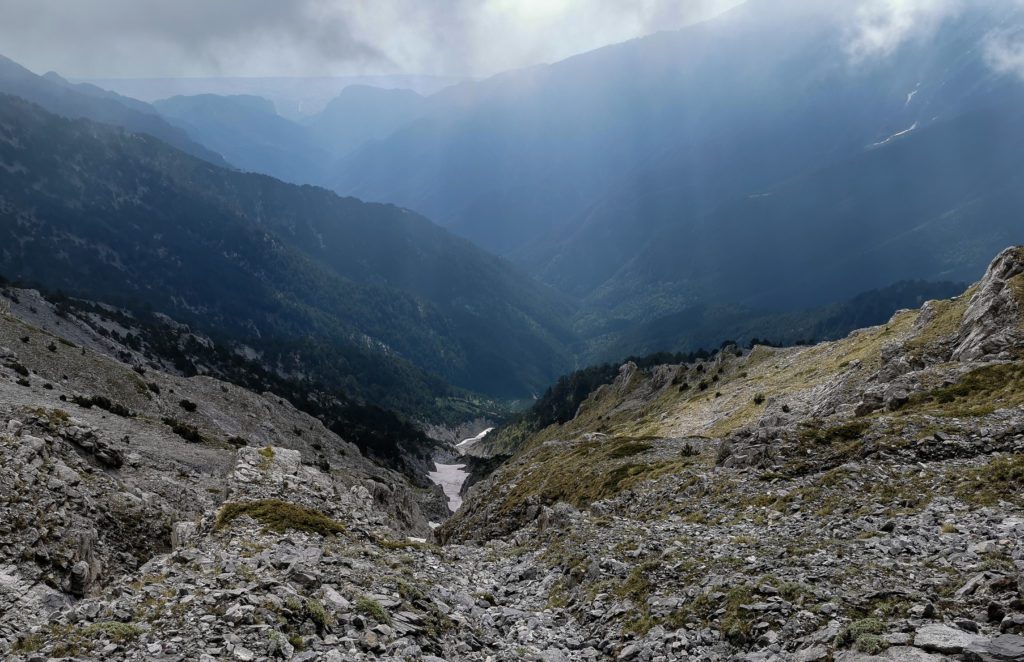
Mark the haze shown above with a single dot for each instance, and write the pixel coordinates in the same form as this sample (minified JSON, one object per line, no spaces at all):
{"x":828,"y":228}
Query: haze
{"x":270,"y":38}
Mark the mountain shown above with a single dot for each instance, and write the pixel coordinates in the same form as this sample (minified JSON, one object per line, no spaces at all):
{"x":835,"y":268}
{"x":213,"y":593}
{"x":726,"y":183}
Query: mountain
{"x":250,"y":134}
{"x":371,"y":299}
{"x":929,"y":204}
{"x":90,"y":102}
{"x":853,"y":500}
{"x":819,"y":117}
{"x":600,"y":172}
{"x":297,"y":98}
{"x":361,"y":114}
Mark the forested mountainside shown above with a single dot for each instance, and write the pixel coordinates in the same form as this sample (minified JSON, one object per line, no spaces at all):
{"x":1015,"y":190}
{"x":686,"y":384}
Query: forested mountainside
{"x":295,"y":273}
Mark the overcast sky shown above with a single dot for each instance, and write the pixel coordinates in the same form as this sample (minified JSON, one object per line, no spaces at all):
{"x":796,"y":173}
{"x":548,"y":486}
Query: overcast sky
{"x":198,"y":38}
{"x":157,"y":38}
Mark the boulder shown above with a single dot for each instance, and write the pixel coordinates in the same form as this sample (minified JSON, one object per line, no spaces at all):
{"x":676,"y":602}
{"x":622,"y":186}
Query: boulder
{"x":1004,"y":648}
{"x":940,"y":638}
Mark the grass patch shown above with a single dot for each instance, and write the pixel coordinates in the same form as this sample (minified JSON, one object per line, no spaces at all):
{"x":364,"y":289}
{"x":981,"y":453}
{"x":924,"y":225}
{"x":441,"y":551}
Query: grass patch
{"x":629,"y":450}
{"x":279,"y":516}
{"x":735,"y":624}
{"x":978,"y":393}
{"x":587,"y":472}
{"x":1002,"y":479}
{"x":945,"y":322}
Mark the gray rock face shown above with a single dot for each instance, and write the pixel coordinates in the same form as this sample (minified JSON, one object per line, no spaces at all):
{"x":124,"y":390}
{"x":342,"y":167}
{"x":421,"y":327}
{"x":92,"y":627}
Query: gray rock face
{"x":991,"y":324}
{"x":182,"y":533}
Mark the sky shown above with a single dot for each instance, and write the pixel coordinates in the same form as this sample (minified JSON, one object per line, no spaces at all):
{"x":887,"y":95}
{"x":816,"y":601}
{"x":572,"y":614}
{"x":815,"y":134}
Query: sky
{"x":101,"y":39}
{"x":263,"y":38}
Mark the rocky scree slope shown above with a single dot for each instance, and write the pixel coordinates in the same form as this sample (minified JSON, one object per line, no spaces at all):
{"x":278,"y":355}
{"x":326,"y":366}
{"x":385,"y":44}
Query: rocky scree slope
{"x":152,"y":341}
{"x":854,"y":500}
{"x":99,"y":460}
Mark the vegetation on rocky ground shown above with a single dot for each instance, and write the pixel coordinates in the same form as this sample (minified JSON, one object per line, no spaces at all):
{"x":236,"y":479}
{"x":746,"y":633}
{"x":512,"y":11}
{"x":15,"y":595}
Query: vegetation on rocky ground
{"x":279,"y":516}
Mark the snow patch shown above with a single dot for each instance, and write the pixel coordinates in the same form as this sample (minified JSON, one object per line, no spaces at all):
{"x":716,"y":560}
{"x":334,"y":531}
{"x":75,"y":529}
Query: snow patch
{"x":451,"y":478}
{"x":895,"y":136}
{"x":466,"y":443}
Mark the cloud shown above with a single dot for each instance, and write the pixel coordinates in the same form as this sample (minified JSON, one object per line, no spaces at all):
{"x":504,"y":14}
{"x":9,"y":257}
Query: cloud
{"x":184,"y":37}
{"x":879,"y":27}
{"x":148,"y":38}
{"x":1004,"y":51}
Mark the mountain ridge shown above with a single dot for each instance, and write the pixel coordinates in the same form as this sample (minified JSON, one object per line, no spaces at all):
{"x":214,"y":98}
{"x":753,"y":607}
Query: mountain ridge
{"x":286,"y":228}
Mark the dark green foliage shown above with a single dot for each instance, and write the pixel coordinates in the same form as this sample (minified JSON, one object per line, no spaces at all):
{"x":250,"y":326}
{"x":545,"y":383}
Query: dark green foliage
{"x":188,"y":405}
{"x":18,"y":368}
{"x":185,"y":431}
{"x":103,"y":402}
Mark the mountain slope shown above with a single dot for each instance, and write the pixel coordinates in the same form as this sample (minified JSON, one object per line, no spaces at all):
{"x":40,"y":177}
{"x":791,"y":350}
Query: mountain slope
{"x":90,"y":102}
{"x":353,"y":293}
{"x":732,"y":497}
{"x":823,"y":113}
{"x":361,"y":114}
{"x":250,"y":134}
{"x":929,"y":204}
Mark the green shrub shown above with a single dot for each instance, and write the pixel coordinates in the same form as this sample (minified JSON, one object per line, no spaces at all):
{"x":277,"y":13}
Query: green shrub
{"x":858,"y":629}
{"x":279,"y":516}
{"x":369,"y":607}
{"x":185,"y":431}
